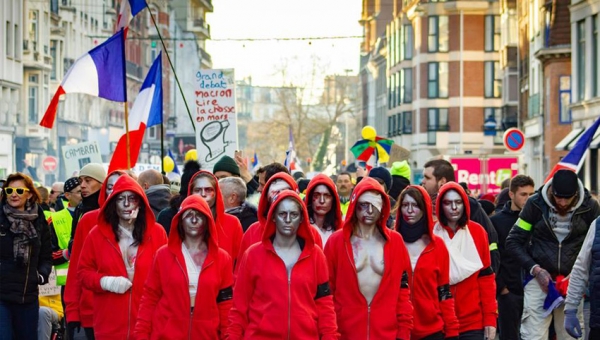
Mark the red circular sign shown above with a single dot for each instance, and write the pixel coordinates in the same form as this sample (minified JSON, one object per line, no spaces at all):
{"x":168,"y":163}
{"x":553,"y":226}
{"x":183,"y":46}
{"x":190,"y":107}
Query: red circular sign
{"x":514,"y":139}
{"x":50,"y":164}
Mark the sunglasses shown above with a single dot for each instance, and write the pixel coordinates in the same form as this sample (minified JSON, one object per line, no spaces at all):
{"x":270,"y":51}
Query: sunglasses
{"x":58,"y":192}
{"x":20,"y":191}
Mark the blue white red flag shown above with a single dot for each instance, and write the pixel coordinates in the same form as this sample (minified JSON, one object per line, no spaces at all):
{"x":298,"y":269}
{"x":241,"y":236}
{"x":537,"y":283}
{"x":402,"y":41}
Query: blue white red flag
{"x":291,"y":160}
{"x":575,"y":158}
{"x":129,"y":8}
{"x":146,"y":112}
{"x":175,"y":168}
{"x":255,"y":162}
{"x":100,"y":73}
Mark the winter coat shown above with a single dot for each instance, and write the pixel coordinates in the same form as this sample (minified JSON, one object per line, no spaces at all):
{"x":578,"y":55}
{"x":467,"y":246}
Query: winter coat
{"x":18,"y":281}
{"x":165,"y":309}
{"x":533,"y":241}
{"x":158,"y":197}
{"x":479,"y":216}
{"x":229,"y":229}
{"x":246,"y":213}
{"x":114,"y":314}
{"x":90,"y":203}
{"x":430,"y":283}
{"x":475,"y":297}
{"x":509,"y":275}
{"x":269,"y":305}
{"x":390,"y":313}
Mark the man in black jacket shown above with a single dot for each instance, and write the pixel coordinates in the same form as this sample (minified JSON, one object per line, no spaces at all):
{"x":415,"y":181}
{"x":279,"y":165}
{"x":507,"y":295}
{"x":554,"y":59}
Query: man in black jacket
{"x":509,"y":284}
{"x":546,"y":240}
{"x":438,"y":172}
{"x":233,"y":190}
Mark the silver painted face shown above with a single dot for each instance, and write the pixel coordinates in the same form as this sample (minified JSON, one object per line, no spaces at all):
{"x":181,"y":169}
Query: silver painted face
{"x":366,"y":212}
{"x":128,"y":205}
{"x":287,"y":217}
{"x":410,"y":210}
{"x":204,"y":188}
{"x":453,"y":206}
{"x":276,"y":187}
{"x":194,"y":223}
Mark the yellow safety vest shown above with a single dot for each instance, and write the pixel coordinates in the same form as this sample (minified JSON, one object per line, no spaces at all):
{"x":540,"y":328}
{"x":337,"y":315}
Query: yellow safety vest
{"x":62,"y":227}
{"x":47,"y":214}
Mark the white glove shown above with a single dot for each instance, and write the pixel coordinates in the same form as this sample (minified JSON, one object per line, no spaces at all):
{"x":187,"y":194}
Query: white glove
{"x":489,"y":332}
{"x":115,"y":284}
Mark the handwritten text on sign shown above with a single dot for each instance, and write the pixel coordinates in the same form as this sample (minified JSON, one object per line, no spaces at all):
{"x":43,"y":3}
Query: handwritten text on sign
{"x":216,"y":123}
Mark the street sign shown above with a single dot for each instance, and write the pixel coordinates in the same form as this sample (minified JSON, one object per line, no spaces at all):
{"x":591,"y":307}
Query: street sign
{"x":514,"y":139}
{"x":50,"y":164}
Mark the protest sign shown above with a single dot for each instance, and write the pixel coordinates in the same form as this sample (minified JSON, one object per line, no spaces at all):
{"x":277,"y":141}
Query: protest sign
{"x":77,"y":155}
{"x":484,"y":175}
{"x":215,"y":116}
{"x":50,"y":288}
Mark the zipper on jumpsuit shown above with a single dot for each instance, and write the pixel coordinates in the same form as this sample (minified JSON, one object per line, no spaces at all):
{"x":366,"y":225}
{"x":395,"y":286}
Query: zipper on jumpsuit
{"x":368,"y":304}
{"x":191,"y":309}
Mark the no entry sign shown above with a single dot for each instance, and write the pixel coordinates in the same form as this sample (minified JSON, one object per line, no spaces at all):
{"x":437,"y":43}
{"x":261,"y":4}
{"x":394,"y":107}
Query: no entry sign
{"x":50,"y":164}
{"x":514,"y":139}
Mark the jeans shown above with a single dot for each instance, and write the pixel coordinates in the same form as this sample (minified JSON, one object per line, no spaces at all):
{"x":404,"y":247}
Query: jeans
{"x":471,"y":335}
{"x":510,"y":309}
{"x":16,"y":320}
{"x":48,"y":318}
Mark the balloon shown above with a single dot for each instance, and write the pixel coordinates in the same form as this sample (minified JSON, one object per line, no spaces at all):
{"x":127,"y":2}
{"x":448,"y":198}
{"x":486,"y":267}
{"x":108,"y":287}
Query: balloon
{"x":191,"y":155}
{"x":368,"y":132}
{"x":168,"y":164}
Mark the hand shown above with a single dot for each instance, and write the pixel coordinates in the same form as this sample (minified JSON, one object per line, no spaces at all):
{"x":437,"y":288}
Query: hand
{"x":115,"y":284}
{"x":504,"y":291}
{"x":489,"y":332}
{"x":73,"y":325}
{"x":361,"y":172}
{"x":543,"y":278}
{"x":572,"y":325}
{"x":244,"y":172}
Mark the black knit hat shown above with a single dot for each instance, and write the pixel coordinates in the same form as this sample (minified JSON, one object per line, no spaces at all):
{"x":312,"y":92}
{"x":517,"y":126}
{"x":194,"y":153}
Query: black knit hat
{"x":565,"y":184}
{"x":71,"y":184}
{"x":382,"y":174}
{"x":227,"y":163}
{"x":189,"y":169}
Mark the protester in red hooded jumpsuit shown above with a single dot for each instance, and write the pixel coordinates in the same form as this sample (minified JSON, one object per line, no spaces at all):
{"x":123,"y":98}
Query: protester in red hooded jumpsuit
{"x":368,"y":270}
{"x":117,"y":256}
{"x":282,"y":289}
{"x":323,"y":204}
{"x":434,"y":316}
{"x":189,"y":289}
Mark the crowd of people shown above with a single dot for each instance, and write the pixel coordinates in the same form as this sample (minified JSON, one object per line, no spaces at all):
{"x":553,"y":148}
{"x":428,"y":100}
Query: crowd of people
{"x":370,"y":256}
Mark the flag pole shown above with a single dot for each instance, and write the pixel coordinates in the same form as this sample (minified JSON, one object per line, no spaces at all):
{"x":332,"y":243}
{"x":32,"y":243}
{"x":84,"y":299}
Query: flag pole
{"x":172,"y":68}
{"x":127,"y":135}
{"x":162,"y":149}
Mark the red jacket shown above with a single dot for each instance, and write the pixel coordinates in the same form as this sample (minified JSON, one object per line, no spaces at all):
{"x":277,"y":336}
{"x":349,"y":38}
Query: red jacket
{"x":475,"y":296}
{"x":336,"y":211}
{"x":389,"y":316}
{"x":268,"y":305}
{"x":165,"y":306}
{"x":229,"y":228}
{"x":115,"y":314}
{"x":429,"y":283}
{"x":79,"y":302}
{"x":255,"y":232}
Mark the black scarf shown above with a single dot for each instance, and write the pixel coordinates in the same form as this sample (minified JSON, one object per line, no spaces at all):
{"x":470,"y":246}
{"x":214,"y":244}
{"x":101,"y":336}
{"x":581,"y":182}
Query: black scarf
{"x":411,"y":233}
{"x":22,"y":225}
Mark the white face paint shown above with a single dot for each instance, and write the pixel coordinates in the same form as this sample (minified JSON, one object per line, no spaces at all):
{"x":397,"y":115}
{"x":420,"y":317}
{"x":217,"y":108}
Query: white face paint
{"x":410,"y":210}
{"x":110,"y":183}
{"x":276,"y":187}
{"x":204,"y":188}
{"x":194,"y":223}
{"x":287,"y":217}
{"x":453,"y":206}
{"x":128,"y":205}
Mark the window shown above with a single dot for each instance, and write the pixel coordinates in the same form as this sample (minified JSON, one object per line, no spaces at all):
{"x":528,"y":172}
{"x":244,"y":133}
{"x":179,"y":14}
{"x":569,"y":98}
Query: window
{"x":33,"y":103}
{"x":152,"y":132}
{"x":406,"y":85}
{"x":399,"y":124}
{"x":389,"y":90}
{"x":437,"y":80}
{"x":393,"y":86}
{"x":18,"y":42}
{"x":53,"y":44}
{"x":496,"y":113}
{"x":581,"y":60}
{"x":407,"y":42}
{"x":33,"y":28}
{"x":493,"y":80}
{"x":437,"y":120}
{"x":492,"y":33}
{"x":595,"y":56}
{"x":564,"y":95}
{"x":399,"y":87}
{"x":9,"y":40}
{"x":393,"y":125}
{"x":389,"y":126}
{"x":407,"y":122}
{"x":437,"y":40}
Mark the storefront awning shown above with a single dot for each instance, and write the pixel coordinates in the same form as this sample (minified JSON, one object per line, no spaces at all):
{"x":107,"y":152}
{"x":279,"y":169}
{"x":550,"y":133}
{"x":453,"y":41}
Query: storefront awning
{"x":596,"y":135}
{"x":569,"y":138}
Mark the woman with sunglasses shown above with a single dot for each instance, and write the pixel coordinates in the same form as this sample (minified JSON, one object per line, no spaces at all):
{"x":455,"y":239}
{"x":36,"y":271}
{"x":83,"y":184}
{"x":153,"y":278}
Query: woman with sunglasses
{"x":116,"y":259}
{"x":25,"y":257}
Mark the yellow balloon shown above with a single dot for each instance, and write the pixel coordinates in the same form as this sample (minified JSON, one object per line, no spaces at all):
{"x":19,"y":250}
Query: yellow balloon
{"x":191,"y":155}
{"x":168,"y":164}
{"x":368,"y":132}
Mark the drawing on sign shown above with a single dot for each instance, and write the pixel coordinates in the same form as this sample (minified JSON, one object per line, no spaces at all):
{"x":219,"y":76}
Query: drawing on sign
{"x":210,"y":138}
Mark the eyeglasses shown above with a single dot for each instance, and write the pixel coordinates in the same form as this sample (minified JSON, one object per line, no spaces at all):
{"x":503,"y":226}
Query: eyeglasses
{"x":20,"y":191}
{"x":52,"y":192}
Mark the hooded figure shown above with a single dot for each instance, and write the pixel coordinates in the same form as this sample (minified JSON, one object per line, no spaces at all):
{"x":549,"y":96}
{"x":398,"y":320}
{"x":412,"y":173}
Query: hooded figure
{"x":115,"y":277}
{"x":472,"y":280}
{"x":323,"y":206}
{"x":166,"y":309}
{"x":276,"y":300}
{"x":389,"y":315}
{"x":79,"y":302}
{"x":229,"y":228}
{"x":430,"y":263}
{"x":255,"y":231}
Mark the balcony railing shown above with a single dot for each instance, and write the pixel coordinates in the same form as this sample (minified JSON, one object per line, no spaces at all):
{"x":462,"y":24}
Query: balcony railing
{"x":205,"y":56}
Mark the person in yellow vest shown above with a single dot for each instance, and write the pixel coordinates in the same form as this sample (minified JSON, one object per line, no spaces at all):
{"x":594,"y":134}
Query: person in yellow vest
{"x":60,"y":223}
{"x":344,"y":188}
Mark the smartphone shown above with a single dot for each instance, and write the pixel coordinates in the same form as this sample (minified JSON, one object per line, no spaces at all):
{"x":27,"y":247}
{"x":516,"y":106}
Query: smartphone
{"x":239,"y":153}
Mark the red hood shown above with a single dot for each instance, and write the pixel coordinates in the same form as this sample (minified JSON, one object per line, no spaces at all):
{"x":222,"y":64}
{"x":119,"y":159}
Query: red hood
{"x":428,"y":209}
{"x":304,"y":230}
{"x":443,"y":190}
{"x":325,"y":180}
{"x":219,"y":205}
{"x":367,"y":184}
{"x":193,"y":202}
{"x":126,"y":183}
{"x":263,"y":204}
{"x":102,"y":197}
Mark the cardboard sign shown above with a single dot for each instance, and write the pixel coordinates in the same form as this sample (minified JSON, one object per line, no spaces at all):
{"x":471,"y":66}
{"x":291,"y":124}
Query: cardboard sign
{"x":215,"y":116}
{"x":484,"y":175}
{"x":50,"y":288}
{"x":76,"y":156}
{"x":398,"y":154}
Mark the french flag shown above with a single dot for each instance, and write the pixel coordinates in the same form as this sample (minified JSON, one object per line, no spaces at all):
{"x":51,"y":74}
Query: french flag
{"x":146,"y":112}
{"x":100,"y":73}
{"x":574,"y":159}
{"x":129,"y":8}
